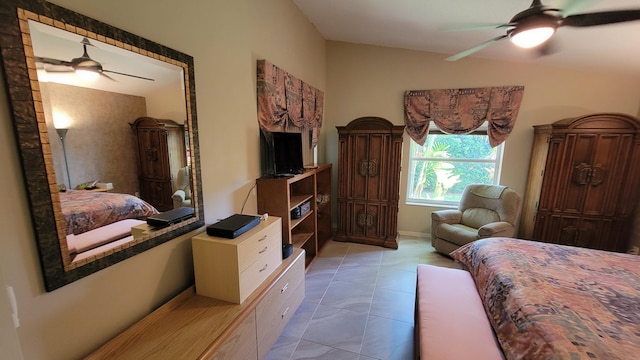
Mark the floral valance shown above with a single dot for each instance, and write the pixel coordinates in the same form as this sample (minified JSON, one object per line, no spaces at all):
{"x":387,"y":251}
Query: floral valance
{"x":285,"y":101}
{"x":460,"y":111}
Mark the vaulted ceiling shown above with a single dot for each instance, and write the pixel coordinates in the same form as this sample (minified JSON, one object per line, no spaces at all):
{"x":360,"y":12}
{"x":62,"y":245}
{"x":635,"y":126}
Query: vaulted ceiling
{"x":425,"y":25}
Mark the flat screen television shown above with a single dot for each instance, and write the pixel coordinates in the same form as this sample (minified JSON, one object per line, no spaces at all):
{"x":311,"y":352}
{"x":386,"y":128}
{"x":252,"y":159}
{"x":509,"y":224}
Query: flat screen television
{"x":282,"y":153}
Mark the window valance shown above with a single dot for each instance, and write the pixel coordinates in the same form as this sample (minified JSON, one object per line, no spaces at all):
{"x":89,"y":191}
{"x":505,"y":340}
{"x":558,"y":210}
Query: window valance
{"x":460,"y":111}
{"x":284,"y":101}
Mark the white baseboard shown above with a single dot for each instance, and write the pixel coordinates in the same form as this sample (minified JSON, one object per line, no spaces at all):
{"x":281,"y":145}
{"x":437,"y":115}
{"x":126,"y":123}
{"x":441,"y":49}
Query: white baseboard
{"x":415,"y":234}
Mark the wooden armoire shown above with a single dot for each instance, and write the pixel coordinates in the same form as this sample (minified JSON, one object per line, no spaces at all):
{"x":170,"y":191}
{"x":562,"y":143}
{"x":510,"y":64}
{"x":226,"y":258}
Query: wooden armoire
{"x":584,"y":182}
{"x":369,"y":154}
{"x":161,"y":153}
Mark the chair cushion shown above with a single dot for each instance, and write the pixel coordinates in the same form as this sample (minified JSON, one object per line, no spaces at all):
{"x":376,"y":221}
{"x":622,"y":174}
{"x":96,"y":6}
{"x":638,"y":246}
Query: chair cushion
{"x":457,"y":233}
{"x":477,"y":217}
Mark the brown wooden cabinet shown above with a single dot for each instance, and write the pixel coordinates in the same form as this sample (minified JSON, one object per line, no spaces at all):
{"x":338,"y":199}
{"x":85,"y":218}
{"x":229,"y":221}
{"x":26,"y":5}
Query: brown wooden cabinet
{"x":369,"y":154}
{"x":278,"y":196}
{"x":161,"y":153}
{"x":583,"y":182}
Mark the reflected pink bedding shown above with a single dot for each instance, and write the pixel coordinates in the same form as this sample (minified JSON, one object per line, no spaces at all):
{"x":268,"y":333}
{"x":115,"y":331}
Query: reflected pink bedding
{"x":85,"y":210}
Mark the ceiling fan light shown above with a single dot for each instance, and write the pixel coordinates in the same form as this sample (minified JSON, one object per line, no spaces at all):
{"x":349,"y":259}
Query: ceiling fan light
{"x":88,"y":75}
{"x":531,"y":37}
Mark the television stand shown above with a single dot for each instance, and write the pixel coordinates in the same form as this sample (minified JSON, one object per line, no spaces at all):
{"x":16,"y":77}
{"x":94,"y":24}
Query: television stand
{"x":279,"y":195}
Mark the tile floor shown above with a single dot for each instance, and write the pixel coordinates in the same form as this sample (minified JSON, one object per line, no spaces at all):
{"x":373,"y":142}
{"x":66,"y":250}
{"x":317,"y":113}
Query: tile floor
{"x":359,"y":303}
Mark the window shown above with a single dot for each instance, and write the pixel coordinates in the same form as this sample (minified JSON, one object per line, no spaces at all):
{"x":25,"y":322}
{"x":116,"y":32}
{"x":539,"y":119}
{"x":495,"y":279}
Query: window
{"x":439,"y":170}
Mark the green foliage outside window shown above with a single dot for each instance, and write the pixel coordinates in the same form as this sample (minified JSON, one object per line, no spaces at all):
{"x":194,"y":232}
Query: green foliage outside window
{"x":441,"y":168}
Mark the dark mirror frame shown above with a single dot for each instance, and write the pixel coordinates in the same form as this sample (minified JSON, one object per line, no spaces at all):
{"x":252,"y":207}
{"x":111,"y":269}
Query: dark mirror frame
{"x":35,"y":154}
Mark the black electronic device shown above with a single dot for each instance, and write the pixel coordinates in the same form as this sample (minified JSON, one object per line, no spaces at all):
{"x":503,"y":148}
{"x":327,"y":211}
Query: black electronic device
{"x":296,"y":213}
{"x":287,"y":250}
{"x":281,"y":153}
{"x":170,"y":217}
{"x":233,"y":226}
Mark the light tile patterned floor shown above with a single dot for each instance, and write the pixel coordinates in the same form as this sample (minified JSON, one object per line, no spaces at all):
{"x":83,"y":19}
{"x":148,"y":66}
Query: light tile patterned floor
{"x":359,"y":303}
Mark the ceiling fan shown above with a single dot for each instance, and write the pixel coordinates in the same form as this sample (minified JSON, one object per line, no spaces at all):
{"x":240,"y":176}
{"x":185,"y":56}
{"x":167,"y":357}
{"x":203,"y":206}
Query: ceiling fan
{"x":83,"y":65}
{"x":537,"y":24}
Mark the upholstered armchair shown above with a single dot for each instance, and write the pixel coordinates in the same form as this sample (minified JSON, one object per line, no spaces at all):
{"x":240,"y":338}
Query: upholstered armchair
{"x":484,"y":211}
{"x":182,"y":196}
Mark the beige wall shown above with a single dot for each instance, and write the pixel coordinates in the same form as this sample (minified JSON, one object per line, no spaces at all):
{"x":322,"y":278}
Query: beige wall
{"x":100,"y":144}
{"x":370,"y":81}
{"x":225,"y":38}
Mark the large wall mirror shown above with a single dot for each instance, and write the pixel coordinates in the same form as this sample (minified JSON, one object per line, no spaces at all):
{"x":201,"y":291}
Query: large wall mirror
{"x":107,"y":131}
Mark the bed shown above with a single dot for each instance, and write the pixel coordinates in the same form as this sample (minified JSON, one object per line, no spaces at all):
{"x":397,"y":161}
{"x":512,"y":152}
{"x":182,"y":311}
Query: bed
{"x":547,"y":301}
{"x":85,"y":210}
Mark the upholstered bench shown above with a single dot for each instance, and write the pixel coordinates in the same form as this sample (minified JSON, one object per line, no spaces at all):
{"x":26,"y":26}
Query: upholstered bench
{"x":450,"y":321}
{"x":93,"y":241}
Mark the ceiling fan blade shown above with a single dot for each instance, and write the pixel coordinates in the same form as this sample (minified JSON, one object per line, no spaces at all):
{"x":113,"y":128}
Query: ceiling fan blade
{"x":52,"y":61}
{"x":107,"y":76}
{"x":601,"y":18}
{"x":573,"y":6}
{"x":549,"y":47}
{"x":471,"y":27}
{"x":58,"y":70}
{"x":134,"y":76}
{"x":474,"y":49}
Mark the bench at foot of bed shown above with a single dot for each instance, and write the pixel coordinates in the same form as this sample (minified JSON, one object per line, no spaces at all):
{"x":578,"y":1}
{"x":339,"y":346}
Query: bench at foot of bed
{"x":450,"y":321}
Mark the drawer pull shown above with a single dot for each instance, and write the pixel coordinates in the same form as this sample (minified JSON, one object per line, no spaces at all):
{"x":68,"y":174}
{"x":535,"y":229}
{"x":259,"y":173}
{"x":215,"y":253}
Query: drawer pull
{"x":285,"y":312}
{"x":264,"y":268}
{"x":262,"y":238}
{"x":284,"y":288}
{"x":263,"y":250}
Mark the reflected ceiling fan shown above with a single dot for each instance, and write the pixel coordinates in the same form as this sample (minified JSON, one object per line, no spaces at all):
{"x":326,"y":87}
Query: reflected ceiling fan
{"x":537,"y":24}
{"x":83,"y":65}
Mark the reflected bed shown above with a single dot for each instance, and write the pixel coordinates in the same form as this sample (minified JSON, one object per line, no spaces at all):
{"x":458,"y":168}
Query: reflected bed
{"x":85,"y":210}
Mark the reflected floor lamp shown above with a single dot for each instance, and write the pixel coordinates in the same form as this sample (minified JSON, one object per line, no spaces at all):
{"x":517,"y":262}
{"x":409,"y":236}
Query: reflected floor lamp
{"x":63,"y":134}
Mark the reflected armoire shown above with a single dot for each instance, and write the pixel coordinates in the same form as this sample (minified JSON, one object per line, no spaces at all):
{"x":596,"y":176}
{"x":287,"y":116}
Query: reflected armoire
{"x":369,"y":154}
{"x":583,"y":183}
{"x":161,"y":153}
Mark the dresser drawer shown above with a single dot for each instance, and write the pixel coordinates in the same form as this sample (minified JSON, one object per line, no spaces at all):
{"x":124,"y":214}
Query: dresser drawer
{"x":231,"y":269}
{"x":251,"y":278}
{"x":241,"y":344}
{"x":279,"y":305}
{"x":257,"y":245}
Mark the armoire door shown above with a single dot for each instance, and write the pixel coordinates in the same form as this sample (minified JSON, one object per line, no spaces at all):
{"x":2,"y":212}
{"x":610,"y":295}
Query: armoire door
{"x":368,"y":168}
{"x":588,"y":179}
{"x":153,"y":152}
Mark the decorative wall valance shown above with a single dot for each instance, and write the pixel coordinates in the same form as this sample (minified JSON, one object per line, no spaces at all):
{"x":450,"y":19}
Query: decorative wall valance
{"x":460,"y":111}
{"x":285,"y":101}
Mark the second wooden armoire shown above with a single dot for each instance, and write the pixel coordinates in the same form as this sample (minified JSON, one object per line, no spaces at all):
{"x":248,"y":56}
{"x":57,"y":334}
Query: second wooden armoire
{"x":583,"y":184}
{"x":369,"y":154}
{"x":161,"y":153}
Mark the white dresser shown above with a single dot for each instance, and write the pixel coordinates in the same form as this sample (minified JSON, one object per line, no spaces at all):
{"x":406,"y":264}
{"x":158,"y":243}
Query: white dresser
{"x":231,"y":269}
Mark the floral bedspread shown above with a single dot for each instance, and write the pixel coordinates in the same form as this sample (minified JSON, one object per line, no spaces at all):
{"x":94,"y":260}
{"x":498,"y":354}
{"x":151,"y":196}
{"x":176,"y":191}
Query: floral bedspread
{"x":85,"y":210}
{"x":548,"y":301}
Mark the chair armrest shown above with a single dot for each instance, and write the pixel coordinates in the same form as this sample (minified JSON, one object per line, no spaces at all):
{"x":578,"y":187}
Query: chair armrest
{"x":496,"y":229}
{"x":447,"y":216}
{"x":179,"y":195}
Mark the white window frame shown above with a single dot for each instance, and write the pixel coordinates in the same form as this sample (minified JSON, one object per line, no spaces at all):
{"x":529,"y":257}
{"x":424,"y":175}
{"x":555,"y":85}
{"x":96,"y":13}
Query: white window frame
{"x":445,"y":203}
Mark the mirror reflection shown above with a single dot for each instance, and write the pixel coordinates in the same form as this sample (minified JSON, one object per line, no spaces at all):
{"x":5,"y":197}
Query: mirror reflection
{"x":115,"y":139}
{"x":108,"y":107}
